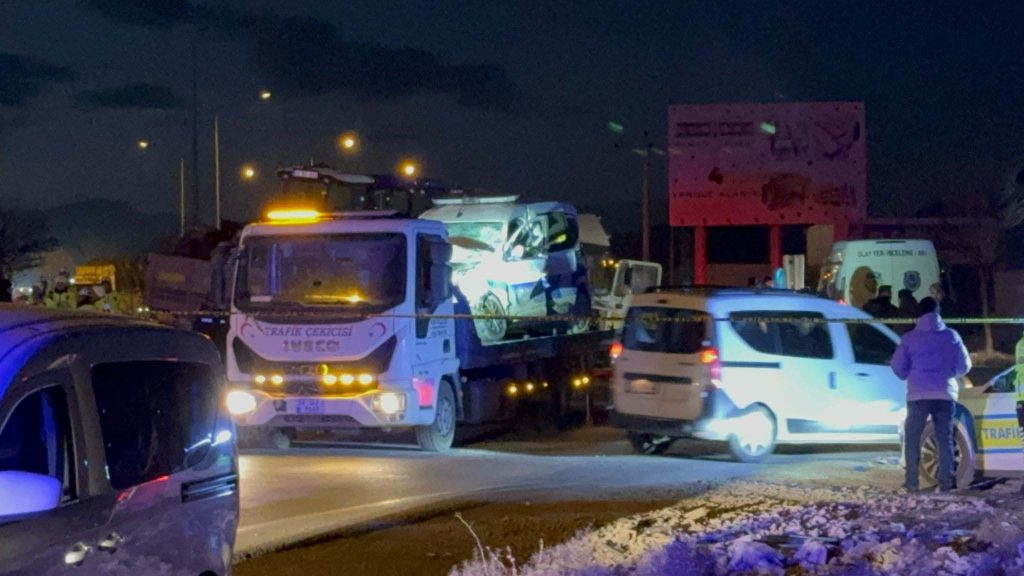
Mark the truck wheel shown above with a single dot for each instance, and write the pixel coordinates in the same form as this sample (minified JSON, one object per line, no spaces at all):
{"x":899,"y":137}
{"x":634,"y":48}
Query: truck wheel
{"x":649,"y":443}
{"x":582,"y":320}
{"x":438,"y":437}
{"x":753,"y":438}
{"x":491,"y":329}
{"x":963,"y":456}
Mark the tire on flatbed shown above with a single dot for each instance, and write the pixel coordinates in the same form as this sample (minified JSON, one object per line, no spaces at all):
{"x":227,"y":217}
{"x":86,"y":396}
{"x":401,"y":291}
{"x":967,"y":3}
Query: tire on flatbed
{"x":439,"y":435}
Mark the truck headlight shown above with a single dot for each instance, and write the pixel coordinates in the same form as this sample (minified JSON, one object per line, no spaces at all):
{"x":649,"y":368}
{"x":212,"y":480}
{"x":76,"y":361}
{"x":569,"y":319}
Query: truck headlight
{"x":389,"y":403}
{"x":240,"y":402}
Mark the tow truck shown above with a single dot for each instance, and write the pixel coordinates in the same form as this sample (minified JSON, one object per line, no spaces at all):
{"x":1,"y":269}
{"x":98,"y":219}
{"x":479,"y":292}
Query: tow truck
{"x":350,"y":321}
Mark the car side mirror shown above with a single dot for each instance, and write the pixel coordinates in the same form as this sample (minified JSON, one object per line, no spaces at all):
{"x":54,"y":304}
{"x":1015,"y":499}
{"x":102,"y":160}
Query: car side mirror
{"x":516,"y":252}
{"x":28,"y":493}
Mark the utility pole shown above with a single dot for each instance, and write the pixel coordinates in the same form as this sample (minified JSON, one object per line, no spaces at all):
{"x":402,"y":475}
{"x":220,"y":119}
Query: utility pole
{"x":216,"y":169}
{"x":195,"y":131}
{"x":181,"y":197}
{"x":645,"y":210}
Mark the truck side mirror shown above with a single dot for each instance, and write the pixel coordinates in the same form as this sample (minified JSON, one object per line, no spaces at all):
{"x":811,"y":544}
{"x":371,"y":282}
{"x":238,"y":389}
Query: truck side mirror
{"x":28,"y":493}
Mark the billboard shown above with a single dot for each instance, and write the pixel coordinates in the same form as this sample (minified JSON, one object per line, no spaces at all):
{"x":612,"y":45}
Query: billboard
{"x":767,"y":164}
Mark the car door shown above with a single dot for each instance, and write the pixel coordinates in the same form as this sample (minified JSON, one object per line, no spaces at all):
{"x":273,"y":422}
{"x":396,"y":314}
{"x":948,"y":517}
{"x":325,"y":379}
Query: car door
{"x":168,"y":456}
{"x":43,"y":433}
{"x":867,"y":384}
{"x":524,"y":266}
{"x":997,"y":433}
{"x":563,"y":262}
{"x":784,"y":362}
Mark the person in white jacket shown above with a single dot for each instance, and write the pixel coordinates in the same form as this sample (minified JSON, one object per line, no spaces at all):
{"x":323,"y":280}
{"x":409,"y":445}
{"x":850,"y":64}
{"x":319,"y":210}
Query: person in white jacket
{"x":931,"y":358}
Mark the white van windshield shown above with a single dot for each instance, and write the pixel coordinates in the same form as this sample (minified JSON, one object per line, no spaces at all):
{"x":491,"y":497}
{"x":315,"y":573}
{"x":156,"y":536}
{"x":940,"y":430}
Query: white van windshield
{"x":665,"y":330}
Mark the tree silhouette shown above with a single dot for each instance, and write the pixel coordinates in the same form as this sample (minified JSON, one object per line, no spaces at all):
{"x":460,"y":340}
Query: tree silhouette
{"x":24,"y":239}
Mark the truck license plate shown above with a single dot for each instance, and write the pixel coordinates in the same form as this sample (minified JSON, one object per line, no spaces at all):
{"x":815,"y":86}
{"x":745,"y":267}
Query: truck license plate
{"x":309,"y":406}
{"x":641,"y":387}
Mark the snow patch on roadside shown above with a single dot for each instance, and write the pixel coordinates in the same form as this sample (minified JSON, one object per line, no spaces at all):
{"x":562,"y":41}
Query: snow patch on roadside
{"x":765,"y":528}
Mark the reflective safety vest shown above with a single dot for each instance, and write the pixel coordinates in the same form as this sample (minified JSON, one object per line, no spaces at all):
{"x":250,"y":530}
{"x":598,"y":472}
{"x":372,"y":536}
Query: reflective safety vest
{"x":59,"y":300}
{"x":1019,"y":376}
{"x":111,"y":302}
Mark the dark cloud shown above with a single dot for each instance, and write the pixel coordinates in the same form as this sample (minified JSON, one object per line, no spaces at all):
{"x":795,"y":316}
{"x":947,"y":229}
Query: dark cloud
{"x":148,"y":13}
{"x":24,"y":77}
{"x":308,"y":56}
{"x":139,"y":96}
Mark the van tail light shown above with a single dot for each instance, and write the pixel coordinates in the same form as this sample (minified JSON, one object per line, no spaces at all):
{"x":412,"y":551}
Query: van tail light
{"x":709,"y":357}
{"x":615,"y":350}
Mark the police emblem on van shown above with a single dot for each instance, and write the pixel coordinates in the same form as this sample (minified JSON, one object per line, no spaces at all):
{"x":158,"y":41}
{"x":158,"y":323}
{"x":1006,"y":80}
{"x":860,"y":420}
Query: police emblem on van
{"x":912,"y":280}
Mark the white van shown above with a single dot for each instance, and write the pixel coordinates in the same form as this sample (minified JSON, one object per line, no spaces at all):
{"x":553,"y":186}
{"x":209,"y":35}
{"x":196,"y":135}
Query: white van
{"x":855,"y":269}
{"x":756,"y":368}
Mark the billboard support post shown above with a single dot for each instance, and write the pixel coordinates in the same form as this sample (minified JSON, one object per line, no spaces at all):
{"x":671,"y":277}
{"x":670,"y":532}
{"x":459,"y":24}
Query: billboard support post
{"x":775,"y":244}
{"x":700,"y":255}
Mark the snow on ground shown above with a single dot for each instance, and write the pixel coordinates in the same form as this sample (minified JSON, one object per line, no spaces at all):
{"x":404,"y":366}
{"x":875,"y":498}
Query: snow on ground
{"x":771,"y":528}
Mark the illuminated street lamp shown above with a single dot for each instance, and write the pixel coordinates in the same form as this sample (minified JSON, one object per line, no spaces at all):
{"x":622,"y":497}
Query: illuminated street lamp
{"x":348,"y":142}
{"x":409,"y":168}
{"x":143,"y":144}
{"x":265,"y":95}
{"x":248,"y":172}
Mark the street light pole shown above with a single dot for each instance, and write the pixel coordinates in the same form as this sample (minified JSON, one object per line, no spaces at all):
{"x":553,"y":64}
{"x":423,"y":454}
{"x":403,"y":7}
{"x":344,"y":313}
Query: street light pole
{"x":216,"y":169}
{"x":181,"y":197}
{"x":645,"y":210}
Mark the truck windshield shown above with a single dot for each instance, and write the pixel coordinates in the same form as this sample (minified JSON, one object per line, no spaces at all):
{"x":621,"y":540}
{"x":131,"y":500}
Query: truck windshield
{"x":333,"y":196}
{"x":365,"y":272}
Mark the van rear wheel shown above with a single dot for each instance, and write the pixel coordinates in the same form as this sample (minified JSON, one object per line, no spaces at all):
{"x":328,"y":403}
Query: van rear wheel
{"x":649,"y":443}
{"x":753,"y":435}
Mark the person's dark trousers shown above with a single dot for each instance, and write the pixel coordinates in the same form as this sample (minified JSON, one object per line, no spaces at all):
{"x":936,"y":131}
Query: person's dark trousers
{"x":1020,"y":422}
{"x":941,"y":412}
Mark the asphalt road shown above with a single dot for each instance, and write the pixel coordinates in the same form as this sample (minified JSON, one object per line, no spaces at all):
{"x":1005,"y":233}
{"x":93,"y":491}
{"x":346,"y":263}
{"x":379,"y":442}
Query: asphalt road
{"x":315,"y":490}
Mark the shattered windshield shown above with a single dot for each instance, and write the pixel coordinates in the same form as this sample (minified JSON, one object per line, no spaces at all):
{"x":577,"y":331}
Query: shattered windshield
{"x":361,"y":271}
{"x":472,"y":240}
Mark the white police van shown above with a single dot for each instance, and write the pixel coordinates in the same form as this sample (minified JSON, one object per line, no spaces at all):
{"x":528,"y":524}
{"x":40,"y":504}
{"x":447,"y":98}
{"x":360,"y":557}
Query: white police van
{"x":755,"y":368}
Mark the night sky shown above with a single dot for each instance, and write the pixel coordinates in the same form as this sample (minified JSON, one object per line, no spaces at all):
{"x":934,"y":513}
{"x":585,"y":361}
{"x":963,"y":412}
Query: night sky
{"x":512,"y":97}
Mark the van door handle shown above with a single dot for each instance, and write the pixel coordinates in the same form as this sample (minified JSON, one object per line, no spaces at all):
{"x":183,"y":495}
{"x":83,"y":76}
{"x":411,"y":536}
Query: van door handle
{"x":76,"y":555}
{"x":111,"y":543}
{"x":863,"y":375}
{"x":832,"y":380}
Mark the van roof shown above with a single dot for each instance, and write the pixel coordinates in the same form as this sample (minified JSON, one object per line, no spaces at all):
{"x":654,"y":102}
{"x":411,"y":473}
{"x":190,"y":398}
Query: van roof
{"x":881,"y":242}
{"x":20,"y":324}
{"x":716,"y":300}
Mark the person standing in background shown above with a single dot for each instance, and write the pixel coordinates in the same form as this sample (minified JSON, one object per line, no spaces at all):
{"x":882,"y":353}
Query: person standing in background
{"x":930,"y":358}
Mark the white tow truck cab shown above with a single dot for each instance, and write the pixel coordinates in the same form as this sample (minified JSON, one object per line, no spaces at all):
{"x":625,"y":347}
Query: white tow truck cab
{"x":324,"y":330}
{"x":856,"y":269}
{"x":349,"y":321}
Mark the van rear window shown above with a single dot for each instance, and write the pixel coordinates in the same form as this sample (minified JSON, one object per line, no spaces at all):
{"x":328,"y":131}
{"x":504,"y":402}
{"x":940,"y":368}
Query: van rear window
{"x":666,"y":330}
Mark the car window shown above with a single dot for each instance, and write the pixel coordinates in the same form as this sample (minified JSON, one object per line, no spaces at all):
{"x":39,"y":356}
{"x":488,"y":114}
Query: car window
{"x":37,"y":438}
{"x":755,"y":329}
{"x":157,"y":417}
{"x":796,"y":334}
{"x":870,"y":345}
{"x":666,"y":330}
{"x":563,"y":232}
